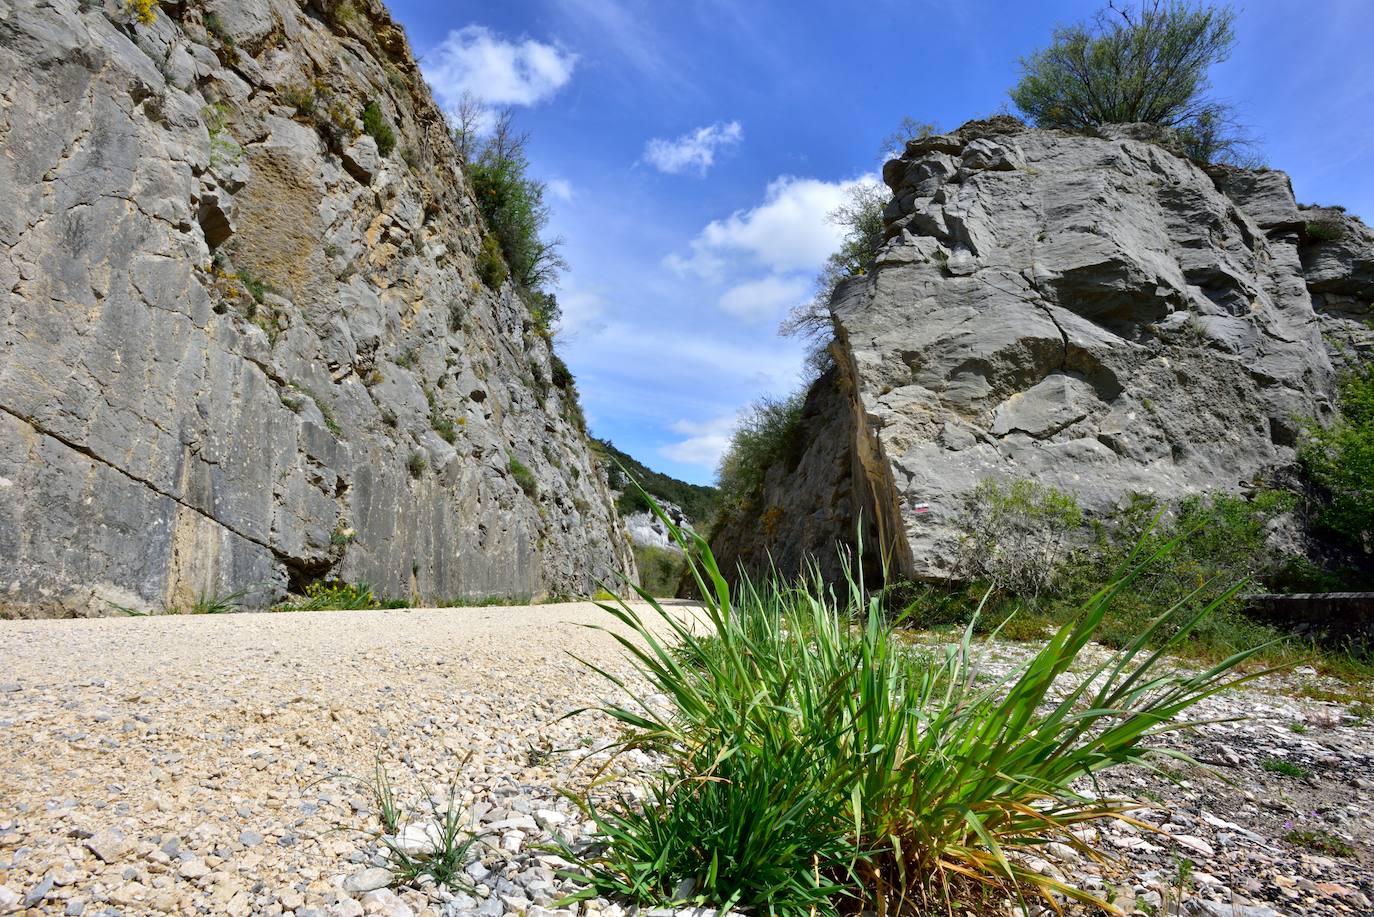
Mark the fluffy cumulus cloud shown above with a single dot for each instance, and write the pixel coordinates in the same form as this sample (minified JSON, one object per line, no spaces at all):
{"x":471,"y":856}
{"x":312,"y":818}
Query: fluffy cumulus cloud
{"x":497,"y":71}
{"x":561,"y":189}
{"x":790,"y":231}
{"x":693,"y":151}
{"x":703,"y":442}
{"x":765,"y":298}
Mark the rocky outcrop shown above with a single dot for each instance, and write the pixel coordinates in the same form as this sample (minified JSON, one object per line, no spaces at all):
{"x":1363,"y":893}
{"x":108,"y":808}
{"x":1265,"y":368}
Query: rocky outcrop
{"x":243,"y":343}
{"x":1095,"y":313}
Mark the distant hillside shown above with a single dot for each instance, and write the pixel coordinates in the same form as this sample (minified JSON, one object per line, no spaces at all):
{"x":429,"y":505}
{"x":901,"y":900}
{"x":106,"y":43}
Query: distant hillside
{"x":697,"y":501}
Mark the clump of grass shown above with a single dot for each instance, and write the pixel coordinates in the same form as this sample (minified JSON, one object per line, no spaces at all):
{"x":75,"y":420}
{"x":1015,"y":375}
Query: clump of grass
{"x":816,"y":765}
{"x":207,"y":603}
{"x":523,"y":476}
{"x":333,"y":595}
{"x":376,"y":127}
{"x":1285,"y":768}
{"x":1323,"y":842}
{"x":448,"y":845}
{"x":1323,"y":231}
{"x":416,"y":465}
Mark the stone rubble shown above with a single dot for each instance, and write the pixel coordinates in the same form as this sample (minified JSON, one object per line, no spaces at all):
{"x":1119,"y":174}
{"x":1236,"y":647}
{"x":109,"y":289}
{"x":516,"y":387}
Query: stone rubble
{"x":219,"y":765}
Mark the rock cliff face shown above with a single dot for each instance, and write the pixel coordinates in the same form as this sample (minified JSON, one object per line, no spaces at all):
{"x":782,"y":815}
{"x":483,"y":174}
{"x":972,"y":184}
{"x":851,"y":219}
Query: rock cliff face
{"x":242,"y":340}
{"x":1094,"y":313}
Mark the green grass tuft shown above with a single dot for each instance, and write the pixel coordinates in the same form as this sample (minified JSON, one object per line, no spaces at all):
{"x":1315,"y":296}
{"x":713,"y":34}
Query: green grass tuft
{"x":815,"y":764}
{"x":1285,"y":768}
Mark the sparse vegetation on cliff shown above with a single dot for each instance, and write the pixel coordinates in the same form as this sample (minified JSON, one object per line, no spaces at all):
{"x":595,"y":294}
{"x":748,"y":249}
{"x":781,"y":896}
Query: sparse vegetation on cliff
{"x":768,"y":433}
{"x":1142,"y":62}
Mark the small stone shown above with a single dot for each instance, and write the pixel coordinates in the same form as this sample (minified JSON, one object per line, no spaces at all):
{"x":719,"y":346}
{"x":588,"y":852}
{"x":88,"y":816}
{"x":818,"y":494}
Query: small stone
{"x":1195,"y":844}
{"x":366,"y":880}
{"x":193,"y":868}
{"x":9,"y":899}
{"x":75,"y":908}
{"x":250,"y":838}
{"x":109,"y":844}
{"x":348,"y":907}
{"x":39,"y":892}
{"x":387,"y":903}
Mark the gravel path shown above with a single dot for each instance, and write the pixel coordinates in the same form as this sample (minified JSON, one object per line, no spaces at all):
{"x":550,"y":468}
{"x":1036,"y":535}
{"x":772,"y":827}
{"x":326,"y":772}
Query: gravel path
{"x":191,"y":765}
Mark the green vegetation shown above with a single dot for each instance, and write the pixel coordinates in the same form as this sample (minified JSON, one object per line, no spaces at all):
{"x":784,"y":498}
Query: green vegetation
{"x":513,"y":208}
{"x":491,"y":267}
{"x":416,"y":464}
{"x":809,"y":767}
{"x":1339,"y":460}
{"x":1323,"y":231}
{"x":769,"y":432}
{"x":1142,"y":62}
{"x":452,"y":846}
{"x":375,"y":126}
{"x":697,"y":501}
{"x":331,"y":423}
{"x":1284,"y":768}
{"x":438,"y":420}
{"x":334,"y":595}
{"x":523,"y":476}
{"x":660,"y":569}
{"x":207,"y":603}
{"x":1030,"y":559}
{"x":1319,"y":841}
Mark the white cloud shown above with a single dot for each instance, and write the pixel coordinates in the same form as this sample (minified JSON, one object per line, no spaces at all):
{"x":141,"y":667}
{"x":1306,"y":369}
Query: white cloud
{"x":561,"y":189}
{"x":495,"y":70}
{"x":703,"y":442}
{"x":789,"y":231}
{"x":695,"y":150}
{"x":765,"y":298}
{"x":580,"y":311}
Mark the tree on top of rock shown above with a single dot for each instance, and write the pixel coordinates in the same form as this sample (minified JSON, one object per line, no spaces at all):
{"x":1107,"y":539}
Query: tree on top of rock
{"x":1143,"y":63}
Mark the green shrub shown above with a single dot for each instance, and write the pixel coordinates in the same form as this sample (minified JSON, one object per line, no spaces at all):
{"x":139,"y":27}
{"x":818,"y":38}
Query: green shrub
{"x":416,"y":464}
{"x":1339,"y":459}
{"x":1323,"y":231}
{"x":376,"y":127}
{"x":1017,"y":535}
{"x":513,"y":208}
{"x":769,"y":432}
{"x":491,"y":267}
{"x":334,"y":595}
{"x":1320,"y":841}
{"x":816,"y":765}
{"x":660,"y":569}
{"x":523,"y":476}
{"x":1148,"y":64}
{"x":438,"y":421}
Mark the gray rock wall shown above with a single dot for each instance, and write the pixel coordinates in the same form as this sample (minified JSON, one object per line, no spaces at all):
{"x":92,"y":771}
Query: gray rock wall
{"x":240,"y":347}
{"x":1094,"y":313}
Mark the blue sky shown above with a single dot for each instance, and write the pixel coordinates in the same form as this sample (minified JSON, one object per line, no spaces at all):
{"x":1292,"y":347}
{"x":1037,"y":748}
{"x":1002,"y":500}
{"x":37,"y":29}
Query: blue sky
{"x":693,"y":149}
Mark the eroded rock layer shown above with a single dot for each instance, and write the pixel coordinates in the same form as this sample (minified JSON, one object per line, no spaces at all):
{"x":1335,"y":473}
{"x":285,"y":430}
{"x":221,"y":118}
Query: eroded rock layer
{"x":243,"y":342}
{"x":1094,"y":313}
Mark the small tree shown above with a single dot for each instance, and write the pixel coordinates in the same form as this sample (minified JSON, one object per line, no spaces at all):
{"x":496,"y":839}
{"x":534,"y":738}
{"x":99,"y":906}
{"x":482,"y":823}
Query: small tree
{"x":511,"y":202}
{"x":861,"y":216}
{"x":767,"y":433}
{"x":1144,"y":63}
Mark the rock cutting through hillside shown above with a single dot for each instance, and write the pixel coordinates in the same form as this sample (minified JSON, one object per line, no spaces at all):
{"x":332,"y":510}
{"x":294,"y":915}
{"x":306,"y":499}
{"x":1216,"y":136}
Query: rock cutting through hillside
{"x":206,"y":765}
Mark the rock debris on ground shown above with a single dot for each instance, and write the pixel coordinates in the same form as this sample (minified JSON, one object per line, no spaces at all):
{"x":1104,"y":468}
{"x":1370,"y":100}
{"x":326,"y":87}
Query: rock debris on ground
{"x":220,"y":765}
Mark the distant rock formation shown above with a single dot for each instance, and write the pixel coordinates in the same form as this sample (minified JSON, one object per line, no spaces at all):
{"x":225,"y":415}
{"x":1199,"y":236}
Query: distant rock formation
{"x":1094,"y":313}
{"x":243,"y":340}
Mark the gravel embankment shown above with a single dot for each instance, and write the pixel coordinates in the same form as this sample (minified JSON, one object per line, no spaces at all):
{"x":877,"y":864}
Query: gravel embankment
{"x":192,"y":765}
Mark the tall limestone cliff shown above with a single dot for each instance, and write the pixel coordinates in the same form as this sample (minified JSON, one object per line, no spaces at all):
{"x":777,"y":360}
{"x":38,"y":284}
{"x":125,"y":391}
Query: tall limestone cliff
{"x":1094,"y":313}
{"x":243,"y":340}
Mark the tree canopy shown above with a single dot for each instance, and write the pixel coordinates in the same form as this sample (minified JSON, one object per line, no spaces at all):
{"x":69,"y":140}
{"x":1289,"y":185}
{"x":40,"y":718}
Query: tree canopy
{"x":1146,"y":62}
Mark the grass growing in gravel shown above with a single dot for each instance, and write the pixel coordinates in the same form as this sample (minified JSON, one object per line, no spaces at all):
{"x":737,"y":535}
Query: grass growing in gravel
{"x":1319,"y":841}
{"x":207,"y":603}
{"x":333,"y":595}
{"x":817,"y":765}
{"x":1284,"y":768}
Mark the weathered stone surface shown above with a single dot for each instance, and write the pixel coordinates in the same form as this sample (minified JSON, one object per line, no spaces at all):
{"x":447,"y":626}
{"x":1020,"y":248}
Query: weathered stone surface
{"x":232,"y":333}
{"x":1096,"y":313}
